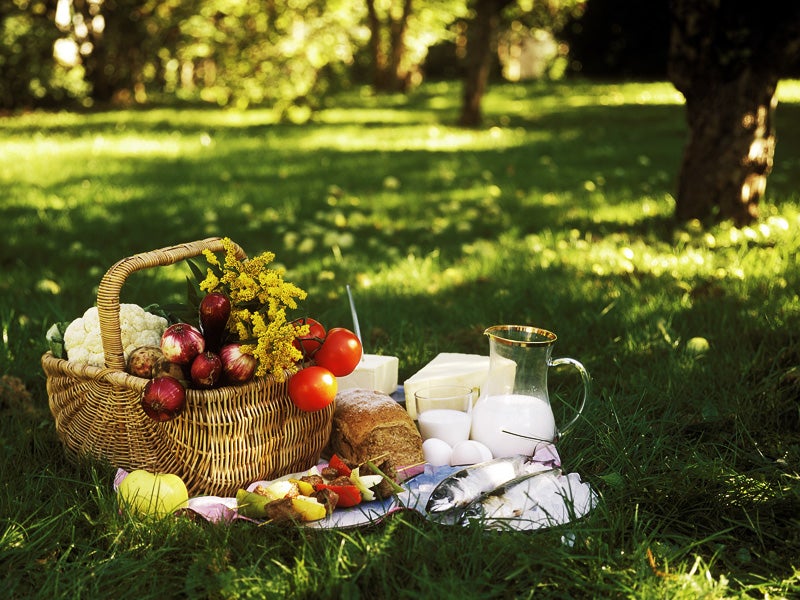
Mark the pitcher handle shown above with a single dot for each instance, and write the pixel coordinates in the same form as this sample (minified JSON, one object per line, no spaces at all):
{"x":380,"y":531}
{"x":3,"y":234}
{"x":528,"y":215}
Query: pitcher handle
{"x":587,"y":383}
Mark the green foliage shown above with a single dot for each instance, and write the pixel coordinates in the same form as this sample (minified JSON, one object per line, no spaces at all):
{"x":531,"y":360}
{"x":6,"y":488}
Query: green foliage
{"x":246,"y":55}
{"x":287,"y":55}
{"x":558,"y":214}
{"x":28,"y":73}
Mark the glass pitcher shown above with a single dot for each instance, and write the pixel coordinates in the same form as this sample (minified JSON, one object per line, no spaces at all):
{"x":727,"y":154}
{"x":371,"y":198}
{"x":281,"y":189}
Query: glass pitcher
{"x":513,"y":413}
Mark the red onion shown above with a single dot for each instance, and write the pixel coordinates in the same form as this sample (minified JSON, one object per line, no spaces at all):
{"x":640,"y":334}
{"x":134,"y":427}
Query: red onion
{"x":206,"y":369}
{"x":215,"y":309}
{"x":237,"y":367}
{"x":181,"y":343}
{"x":164,"y":398}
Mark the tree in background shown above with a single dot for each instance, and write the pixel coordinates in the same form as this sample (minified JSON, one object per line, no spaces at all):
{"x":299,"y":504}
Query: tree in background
{"x":117,"y":47}
{"x":726,"y":59}
{"x":28,"y":74}
{"x":279,"y":54}
{"x":237,"y":53}
{"x":390,"y":71}
{"x":227,"y":52}
{"x":400,"y":34}
{"x":481,"y":40}
{"x":120,"y":42}
{"x":488,"y":17}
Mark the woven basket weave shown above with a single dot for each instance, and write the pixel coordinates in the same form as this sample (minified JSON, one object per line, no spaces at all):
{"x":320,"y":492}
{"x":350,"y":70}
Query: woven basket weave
{"x":224,"y":439}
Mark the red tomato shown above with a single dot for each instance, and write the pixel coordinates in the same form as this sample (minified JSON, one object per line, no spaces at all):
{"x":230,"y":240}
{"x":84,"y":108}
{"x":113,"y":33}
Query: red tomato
{"x":312,"y":388}
{"x":309,"y":344}
{"x":340,"y":353}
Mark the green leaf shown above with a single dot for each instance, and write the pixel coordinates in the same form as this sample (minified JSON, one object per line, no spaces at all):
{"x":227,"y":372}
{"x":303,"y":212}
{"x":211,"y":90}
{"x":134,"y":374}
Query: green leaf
{"x":178,"y":313}
{"x":192,"y":293}
{"x":198,"y":273}
{"x":614,"y":479}
{"x":55,"y":338}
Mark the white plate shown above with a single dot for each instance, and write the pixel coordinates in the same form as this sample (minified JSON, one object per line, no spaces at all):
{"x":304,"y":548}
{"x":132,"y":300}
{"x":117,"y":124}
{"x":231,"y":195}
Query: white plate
{"x":563,"y":499}
{"x":366,"y":513}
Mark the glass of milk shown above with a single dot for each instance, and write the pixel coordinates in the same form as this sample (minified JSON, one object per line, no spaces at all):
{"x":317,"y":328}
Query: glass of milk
{"x":445,"y":412}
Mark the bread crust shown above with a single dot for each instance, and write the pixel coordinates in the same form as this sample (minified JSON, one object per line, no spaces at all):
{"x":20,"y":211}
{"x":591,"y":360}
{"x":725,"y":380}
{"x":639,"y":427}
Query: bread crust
{"x":370,"y":425}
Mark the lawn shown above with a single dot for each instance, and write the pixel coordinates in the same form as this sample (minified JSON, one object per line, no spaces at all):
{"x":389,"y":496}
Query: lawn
{"x":558,"y":214}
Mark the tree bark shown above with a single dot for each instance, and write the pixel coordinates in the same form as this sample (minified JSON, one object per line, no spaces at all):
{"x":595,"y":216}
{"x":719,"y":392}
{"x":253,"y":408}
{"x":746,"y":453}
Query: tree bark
{"x":398,"y":75}
{"x":726,"y":58}
{"x":730,"y":150}
{"x":481,"y":34}
{"x":389,"y":73}
{"x":375,"y":47}
{"x":478,"y":64}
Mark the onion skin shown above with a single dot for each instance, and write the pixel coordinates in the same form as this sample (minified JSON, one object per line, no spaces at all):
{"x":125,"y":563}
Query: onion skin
{"x":181,"y":343}
{"x":214,"y":312}
{"x":237,"y":367}
{"x":206,"y":369}
{"x":164,"y":398}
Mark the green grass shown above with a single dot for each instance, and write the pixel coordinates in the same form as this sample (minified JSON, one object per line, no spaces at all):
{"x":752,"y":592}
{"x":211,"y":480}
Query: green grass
{"x":558,"y":214}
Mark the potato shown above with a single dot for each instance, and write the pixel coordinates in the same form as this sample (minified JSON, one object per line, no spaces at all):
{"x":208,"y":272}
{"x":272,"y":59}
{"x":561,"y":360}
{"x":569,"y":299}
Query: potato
{"x":144,"y":361}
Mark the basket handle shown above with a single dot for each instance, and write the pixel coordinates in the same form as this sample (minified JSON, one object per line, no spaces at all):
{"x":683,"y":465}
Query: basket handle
{"x":111,"y":284}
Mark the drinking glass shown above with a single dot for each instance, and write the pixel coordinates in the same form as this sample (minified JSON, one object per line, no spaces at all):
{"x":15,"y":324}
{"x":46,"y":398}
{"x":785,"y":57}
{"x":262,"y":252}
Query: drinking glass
{"x":445,"y":412}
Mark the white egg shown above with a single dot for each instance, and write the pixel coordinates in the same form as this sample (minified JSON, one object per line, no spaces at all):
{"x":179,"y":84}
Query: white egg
{"x":469,"y":452}
{"x":436,"y":452}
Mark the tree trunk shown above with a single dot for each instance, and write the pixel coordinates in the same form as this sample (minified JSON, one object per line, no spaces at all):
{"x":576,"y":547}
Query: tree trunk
{"x":389,"y":73}
{"x":730,"y":149}
{"x":481,"y":34}
{"x":397,"y":74}
{"x":726,"y":58}
{"x":375,"y":47}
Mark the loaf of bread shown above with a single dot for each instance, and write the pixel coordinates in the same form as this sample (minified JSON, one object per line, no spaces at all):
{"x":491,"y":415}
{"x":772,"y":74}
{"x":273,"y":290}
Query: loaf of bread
{"x":370,"y":425}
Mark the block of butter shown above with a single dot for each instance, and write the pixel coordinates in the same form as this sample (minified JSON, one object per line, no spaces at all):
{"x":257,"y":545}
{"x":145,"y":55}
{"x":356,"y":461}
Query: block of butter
{"x":447,"y":368}
{"x":374,"y":372}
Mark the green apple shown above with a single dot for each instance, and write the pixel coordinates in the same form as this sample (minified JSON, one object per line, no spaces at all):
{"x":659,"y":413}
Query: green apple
{"x":154,"y":494}
{"x":697,"y":346}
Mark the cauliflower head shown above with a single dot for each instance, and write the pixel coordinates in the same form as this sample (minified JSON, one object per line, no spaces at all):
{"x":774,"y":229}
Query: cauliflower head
{"x":138,"y":327}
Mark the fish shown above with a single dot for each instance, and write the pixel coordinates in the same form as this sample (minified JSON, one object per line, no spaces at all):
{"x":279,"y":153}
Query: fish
{"x":532,"y":501}
{"x":463,"y":487}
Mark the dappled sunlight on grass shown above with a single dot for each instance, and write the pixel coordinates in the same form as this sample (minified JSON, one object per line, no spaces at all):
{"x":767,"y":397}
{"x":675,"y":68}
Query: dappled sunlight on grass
{"x":152,"y":119}
{"x":575,"y":95}
{"x":368,"y":116}
{"x":690,"y":257}
{"x":625,"y":95}
{"x":434,"y":137}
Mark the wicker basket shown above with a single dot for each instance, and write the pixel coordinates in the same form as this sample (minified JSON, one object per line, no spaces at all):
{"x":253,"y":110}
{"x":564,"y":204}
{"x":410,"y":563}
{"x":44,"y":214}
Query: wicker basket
{"x":225,"y":438}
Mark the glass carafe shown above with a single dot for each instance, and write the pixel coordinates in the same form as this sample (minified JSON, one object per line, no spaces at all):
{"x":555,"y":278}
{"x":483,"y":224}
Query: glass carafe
{"x":513,"y":414}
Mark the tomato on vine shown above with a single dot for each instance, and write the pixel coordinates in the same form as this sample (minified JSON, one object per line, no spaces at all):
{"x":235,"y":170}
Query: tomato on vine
{"x":340,"y":353}
{"x":309,"y":344}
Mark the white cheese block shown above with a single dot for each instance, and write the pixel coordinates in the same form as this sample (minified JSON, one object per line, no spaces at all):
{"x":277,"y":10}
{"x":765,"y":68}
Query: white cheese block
{"x":447,"y":368}
{"x":374,"y":372}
